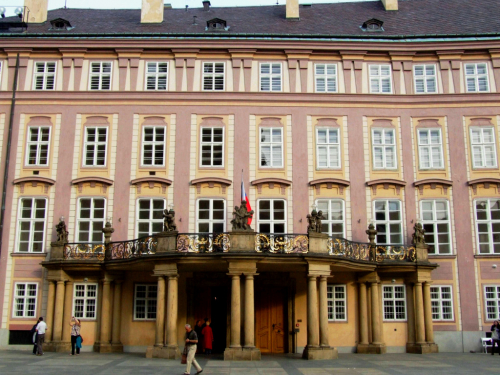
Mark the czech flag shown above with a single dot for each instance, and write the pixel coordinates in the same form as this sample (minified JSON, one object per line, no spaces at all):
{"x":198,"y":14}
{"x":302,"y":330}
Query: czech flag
{"x":244,"y":197}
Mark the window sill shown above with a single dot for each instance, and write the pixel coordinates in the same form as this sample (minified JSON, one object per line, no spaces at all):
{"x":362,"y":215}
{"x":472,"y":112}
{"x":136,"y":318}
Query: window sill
{"x":20,"y":255}
{"x":486,"y":256}
{"x":442,"y":256}
{"x":144,"y":320}
{"x":155,"y":167}
{"x":41,"y":167}
{"x":211,"y":168}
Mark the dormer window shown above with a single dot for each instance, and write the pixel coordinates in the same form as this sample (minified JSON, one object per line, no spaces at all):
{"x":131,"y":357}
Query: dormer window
{"x":217,"y":24}
{"x":372,"y":25}
{"x":60,"y":24}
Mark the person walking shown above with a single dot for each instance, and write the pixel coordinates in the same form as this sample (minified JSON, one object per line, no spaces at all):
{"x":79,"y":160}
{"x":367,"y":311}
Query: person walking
{"x":75,"y":334}
{"x":208,"y":337}
{"x":495,"y":336}
{"x":191,"y":341}
{"x":34,"y":334}
{"x":41,"y":327}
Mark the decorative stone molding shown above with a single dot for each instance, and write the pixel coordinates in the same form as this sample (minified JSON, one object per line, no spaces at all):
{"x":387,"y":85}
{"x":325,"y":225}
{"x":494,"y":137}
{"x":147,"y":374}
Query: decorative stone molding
{"x":481,"y":121}
{"x":105,"y":182}
{"x":151,"y":180}
{"x":281,"y":183}
{"x":34,"y":181}
{"x":433,"y":182}
{"x":386,"y":182}
{"x":223,"y":182}
{"x":329,"y":184}
{"x":486,"y":182}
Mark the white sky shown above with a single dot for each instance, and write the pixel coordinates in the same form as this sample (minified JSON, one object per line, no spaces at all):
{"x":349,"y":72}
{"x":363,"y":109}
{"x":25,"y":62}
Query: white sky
{"x":136,"y":4}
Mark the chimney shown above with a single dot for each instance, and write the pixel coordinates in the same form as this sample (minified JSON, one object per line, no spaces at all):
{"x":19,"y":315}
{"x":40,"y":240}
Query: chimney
{"x":36,"y":10}
{"x":152,"y":11}
{"x":390,"y":4}
{"x":206,"y":5}
{"x":292,"y":9}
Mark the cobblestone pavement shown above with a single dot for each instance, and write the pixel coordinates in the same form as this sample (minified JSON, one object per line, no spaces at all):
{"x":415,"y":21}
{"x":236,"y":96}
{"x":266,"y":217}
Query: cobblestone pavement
{"x":23,"y":362}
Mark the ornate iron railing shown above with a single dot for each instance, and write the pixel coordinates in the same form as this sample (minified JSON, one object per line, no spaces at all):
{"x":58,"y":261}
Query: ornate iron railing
{"x":281,"y":243}
{"x":348,"y":249}
{"x":85,"y":251}
{"x":396,"y":253}
{"x":203,"y":243}
{"x":134,"y":248}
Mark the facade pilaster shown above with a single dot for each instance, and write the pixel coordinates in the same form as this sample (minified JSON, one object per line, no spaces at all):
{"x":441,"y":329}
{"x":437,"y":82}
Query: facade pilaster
{"x":363,"y":315}
{"x":160,"y":312}
{"x":429,"y":331}
{"x":50,"y":311}
{"x":59,"y":310}
{"x":116,"y":344}
{"x":419,"y":312}
{"x":323,"y":312}
{"x":68,"y":304}
{"x":235,"y":312}
{"x":410,"y":314}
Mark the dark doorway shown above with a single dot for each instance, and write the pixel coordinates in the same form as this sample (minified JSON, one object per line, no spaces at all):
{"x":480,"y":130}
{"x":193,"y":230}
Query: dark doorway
{"x":219,"y":317}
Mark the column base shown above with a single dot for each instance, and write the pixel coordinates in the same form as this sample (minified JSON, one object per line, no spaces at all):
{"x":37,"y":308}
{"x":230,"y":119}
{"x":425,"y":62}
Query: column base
{"x":371,"y":349}
{"x":320,"y":353}
{"x":57,"y":346}
{"x":101,"y":347}
{"x":426,"y":348}
{"x":117,"y":348}
{"x":242,"y":354}
{"x":165,"y":352}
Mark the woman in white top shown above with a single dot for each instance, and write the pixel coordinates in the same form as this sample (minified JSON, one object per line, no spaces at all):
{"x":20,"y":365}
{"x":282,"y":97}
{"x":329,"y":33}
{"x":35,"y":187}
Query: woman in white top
{"x":75,"y":332}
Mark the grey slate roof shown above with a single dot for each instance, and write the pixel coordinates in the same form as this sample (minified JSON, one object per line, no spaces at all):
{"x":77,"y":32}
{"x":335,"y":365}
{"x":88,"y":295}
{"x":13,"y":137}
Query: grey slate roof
{"x":414,"y":17}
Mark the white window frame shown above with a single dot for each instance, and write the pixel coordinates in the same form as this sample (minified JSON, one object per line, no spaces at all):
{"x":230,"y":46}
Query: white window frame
{"x":91,"y":219}
{"x":388,"y":221}
{"x":329,"y":78}
{"x":475,"y":77}
{"x":425,"y":78}
{"x":85,"y":299}
{"x":147,"y":300}
{"x":379,"y":78}
{"x":384,"y":147}
{"x":394,"y":301}
{"x":489,"y":222}
{"x":271,"y":145}
{"x":332,"y":221}
{"x":333,"y":303}
{"x":495,"y":305}
{"x":38,"y":144}
{"x":212,"y":144}
{"x":100,"y":75}
{"x":271,"y":76}
{"x":437,"y":303}
{"x":150,"y":221}
{"x":25,"y":312}
{"x":44,"y":75}
{"x":95,"y":145}
{"x":430,"y":147}
{"x":210,"y":221}
{"x":331,"y":164}
{"x":482,"y":145}
{"x":272,"y":222}
{"x":211,"y":78}
{"x":154,"y":144}
{"x":156,"y":75}
{"x":32,"y":220}
{"x":434,"y":222}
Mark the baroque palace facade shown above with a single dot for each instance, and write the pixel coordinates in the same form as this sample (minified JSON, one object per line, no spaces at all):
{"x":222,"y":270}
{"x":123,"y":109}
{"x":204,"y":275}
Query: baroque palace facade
{"x":383,"y":115}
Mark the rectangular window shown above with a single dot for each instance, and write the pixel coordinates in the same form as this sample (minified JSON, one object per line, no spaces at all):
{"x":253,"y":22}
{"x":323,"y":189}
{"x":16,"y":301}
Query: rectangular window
{"x":488,"y":225}
{"x":156,"y":75}
{"x":436,"y":222}
{"x":326,"y":77}
{"x":211,"y":216}
{"x":484,"y":153}
{"x":442,"y":303}
{"x":425,"y":79}
{"x":25,"y":300}
{"x":394,"y":300}
{"x":384,"y":148}
{"x":333,"y":212}
{"x":153,"y":146}
{"x":388,"y":222}
{"x":145,"y":301}
{"x":328,"y":148}
{"x":271,"y":216}
{"x":90,"y":220}
{"x":380,"y":79}
{"x":37,"y":149}
{"x":31,"y":225}
{"x":337,"y":304}
{"x":430,"y":149}
{"x":271,"y":147}
{"x":270,"y":77}
{"x":492,"y":302}
{"x":212,"y":147}
{"x":150,"y":216}
{"x":44,"y":76}
{"x":476,"y":76}
{"x":85,"y":301}
{"x":96,"y":141}
{"x":100,"y":75}
{"x":213,"y":76}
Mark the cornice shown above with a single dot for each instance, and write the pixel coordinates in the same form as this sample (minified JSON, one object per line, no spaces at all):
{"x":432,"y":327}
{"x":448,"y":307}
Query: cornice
{"x":34,"y":181}
{"x":93,"y":180}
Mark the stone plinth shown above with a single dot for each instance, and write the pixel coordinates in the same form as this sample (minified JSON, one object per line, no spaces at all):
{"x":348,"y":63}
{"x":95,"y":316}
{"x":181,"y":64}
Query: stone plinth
{"x":320,"y":353}
{"x":242,"y":241}
{"x":371,"y":349}
{"x":167,"y":242}
{"x":422,"y":253}
{"x":318,"y":243}
{"x":426,"y":348}
{"x":242,"y":354}
{"x":100,"y":347}
{"x":57,"y":346}
{"x":116,"y":348}
{"x":56,"y":251}
{"x":165,"y":352}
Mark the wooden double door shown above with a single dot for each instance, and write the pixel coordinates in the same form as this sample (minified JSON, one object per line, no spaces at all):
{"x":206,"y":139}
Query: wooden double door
{"x":271,"y":334}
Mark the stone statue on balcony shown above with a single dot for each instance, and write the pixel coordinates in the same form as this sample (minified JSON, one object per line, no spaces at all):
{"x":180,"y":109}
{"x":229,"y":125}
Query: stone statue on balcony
{"x":419,"y":235}
{"x":62,"y":233}
{"x":314,"y":221}
{"x":169,"y":221}
{"x":241,"y":216}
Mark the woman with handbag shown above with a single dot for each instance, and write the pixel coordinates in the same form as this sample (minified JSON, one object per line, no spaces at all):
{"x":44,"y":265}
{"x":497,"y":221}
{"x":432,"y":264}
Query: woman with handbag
{"x":75,"y":333}
{"x":495,"y":337}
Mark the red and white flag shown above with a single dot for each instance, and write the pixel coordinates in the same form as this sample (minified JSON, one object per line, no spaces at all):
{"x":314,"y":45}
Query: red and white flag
{"x":244,"y":197}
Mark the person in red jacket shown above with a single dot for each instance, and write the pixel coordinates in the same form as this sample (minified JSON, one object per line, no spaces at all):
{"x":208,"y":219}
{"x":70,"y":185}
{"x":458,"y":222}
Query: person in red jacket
{"x":208,"y":338}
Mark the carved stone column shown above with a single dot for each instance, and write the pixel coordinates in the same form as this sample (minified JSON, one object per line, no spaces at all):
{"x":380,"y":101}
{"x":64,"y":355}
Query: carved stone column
{"x":116,"y":344}
{"x":312,"y":312}
{"x":411,"y":316}
{"x":160,"y":312}
{"x":249,"y":313}
{"x":59,"y":309}
{"x":376,"y":328}
{"x":419,"y":312}
{"x":104,"y":345}
{"x":235,"y":312}
{"x":363,"y":315}
{"x":323,"y":312}
{"x":429,"y":331}
{"x":50,"y":311}
{"x":68,"y":307}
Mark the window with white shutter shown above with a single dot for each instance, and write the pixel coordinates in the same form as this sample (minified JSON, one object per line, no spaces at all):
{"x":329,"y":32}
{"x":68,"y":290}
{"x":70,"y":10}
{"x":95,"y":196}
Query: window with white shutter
{"x":384,"y":148}
{"x":37,"y":148}
{"x":388,"y":222}
{"x":90,"y":220}
{"x":271,"y":147}
{"x":476,"y":76}
{"x":31,"y":225}
{"x":95,"y":146}
{"x":337,"y":303}
{"x":380,"y":79}
{"x":271,"y":216}
{"x":156,"y":76}
{"x":441,"y":302}
{"x":44,"y":76}
{"x":328,"y":148}
{"x":334,"y":216}
{"x":100,"y":75}
{"x":492,"y":302}
{"x":150,"y":216}
{"x":153,"y":146}
{"x":325,"y":77}
{"x":270,"y":77}
{"x":488,"y":225}
{"x":212,"y":147}
{"x":25,"y":300}
{"x":213,"y":76}
{"x":85,"y":301}
{"x":430,"y":149}
{"x":484,"y":154}
{"x":211,"y":216}
{"x":425,"y":79}
{"x":436,"y":223}
{"x":394,"y":300}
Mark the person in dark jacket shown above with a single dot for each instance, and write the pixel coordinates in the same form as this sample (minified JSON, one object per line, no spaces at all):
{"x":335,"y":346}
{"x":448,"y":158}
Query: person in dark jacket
{"x":495,"y":337}
{"x":34,"y":335}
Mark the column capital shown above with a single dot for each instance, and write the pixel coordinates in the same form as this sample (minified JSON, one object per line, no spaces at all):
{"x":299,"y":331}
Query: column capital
{"x":173,"y":276}
{"x":312,"y":276}
{"x":248,"y":274}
